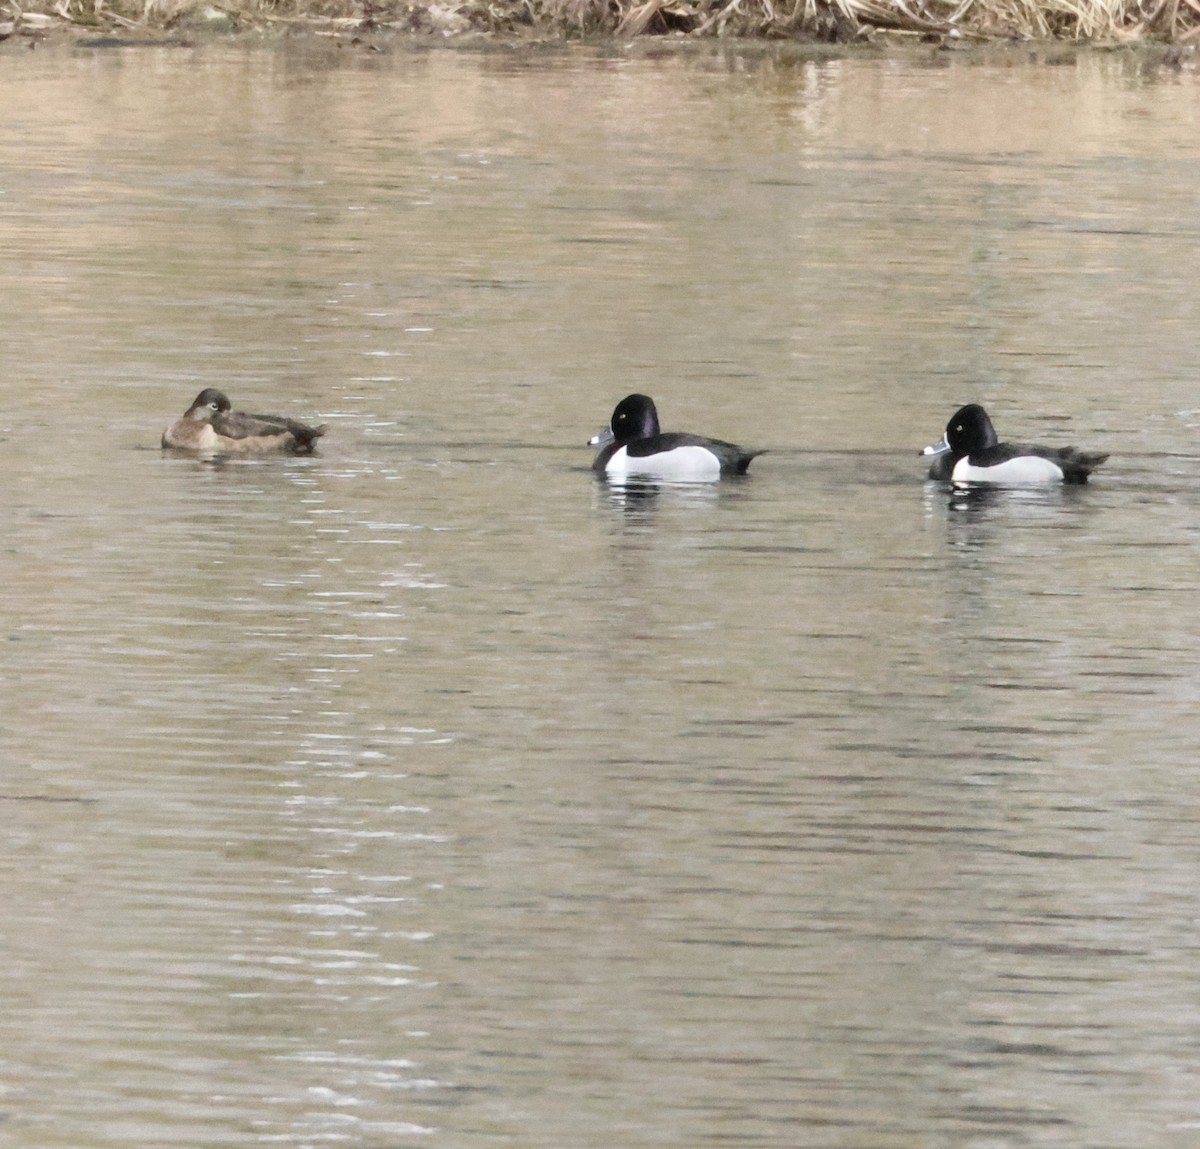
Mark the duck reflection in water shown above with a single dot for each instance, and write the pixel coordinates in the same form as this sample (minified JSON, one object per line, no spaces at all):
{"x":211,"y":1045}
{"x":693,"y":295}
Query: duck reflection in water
{"x":983,"y":502}
{"x":643,"y":501}
{"x":636,"y":496}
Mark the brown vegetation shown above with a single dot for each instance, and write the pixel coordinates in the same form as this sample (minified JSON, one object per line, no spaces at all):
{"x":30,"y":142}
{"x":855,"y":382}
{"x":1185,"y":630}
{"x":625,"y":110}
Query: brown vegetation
{"x":1174,"y":21}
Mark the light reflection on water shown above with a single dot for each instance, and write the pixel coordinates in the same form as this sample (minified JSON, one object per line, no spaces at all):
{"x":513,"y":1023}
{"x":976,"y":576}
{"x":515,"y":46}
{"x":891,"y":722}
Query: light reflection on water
{"x":431,"y":790}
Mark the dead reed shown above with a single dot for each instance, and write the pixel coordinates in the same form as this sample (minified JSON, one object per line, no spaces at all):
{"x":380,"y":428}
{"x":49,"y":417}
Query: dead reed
{"x":1172,"y":21}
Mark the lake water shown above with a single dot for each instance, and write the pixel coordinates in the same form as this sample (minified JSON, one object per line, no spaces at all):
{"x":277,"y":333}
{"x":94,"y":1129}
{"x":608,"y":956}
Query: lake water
{"x":429,"y":792}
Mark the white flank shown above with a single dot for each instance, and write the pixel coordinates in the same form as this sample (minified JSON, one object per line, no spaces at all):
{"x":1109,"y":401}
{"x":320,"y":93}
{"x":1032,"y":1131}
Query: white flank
{"x":681,"y":465}
{"x":1023,"y":471}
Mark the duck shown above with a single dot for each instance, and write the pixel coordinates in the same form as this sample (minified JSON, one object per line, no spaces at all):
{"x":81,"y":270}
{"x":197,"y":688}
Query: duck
{"x":210,"y":426}
{"x":971,"y":452}
{"x":634,"y":446}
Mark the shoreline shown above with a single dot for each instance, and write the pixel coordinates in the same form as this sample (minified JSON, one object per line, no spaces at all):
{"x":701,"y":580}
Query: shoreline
{"x":813,"y":24}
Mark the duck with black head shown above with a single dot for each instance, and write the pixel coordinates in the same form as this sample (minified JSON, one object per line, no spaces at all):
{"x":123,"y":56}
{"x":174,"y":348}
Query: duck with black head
{"x":210,"y":426}
{"x":633,"y":446}
{"x":970,"y":452}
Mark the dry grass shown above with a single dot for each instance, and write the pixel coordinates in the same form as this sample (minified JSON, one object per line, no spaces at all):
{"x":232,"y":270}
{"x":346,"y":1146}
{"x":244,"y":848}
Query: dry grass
{"x":1172,"y":21}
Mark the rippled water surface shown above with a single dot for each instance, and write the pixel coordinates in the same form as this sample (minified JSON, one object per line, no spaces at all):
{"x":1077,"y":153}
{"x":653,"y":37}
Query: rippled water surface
{"x":429,"y":792}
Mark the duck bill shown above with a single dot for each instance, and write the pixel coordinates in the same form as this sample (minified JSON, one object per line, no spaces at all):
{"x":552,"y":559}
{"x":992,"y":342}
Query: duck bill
{"x":941,"y":447}
{"x":602,"y":439}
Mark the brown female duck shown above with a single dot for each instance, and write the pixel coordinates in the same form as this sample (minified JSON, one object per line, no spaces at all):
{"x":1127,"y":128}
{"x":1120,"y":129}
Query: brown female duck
{"x":211,"y":427}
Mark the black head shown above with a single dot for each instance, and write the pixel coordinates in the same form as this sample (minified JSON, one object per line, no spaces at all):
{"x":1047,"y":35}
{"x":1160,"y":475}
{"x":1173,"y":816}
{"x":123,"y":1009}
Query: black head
{"x":970,"y":430}
{"x":208,"y":403}
{"x":635,"y":417}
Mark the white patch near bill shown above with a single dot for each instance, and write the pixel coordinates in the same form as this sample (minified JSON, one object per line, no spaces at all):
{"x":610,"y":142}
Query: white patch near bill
{"x":1023,"y":471}
{"x":680,"y":465}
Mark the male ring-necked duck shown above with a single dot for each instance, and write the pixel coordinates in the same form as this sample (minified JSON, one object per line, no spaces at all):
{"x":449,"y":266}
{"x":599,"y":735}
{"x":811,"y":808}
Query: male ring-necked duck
{"x":211,"y":427}
{"x":970,"y":452}
{"x":633,"y":446}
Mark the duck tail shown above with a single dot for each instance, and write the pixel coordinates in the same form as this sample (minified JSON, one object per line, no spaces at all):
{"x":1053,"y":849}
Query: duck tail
{"x":306,"y":437}
{"x":1078,"y":465}
{"x":743,"y":461}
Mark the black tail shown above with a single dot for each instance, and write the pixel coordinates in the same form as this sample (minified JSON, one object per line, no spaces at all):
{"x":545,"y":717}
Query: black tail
{"x":743,"y":461}
{"x":1078,"y":465}
{"x":306,"y":437}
